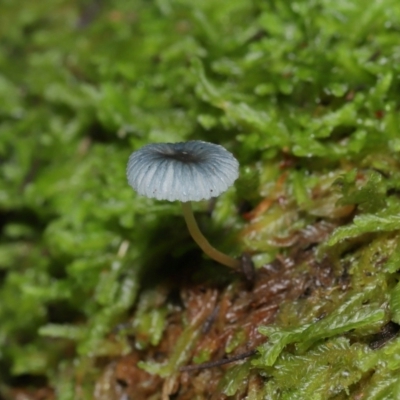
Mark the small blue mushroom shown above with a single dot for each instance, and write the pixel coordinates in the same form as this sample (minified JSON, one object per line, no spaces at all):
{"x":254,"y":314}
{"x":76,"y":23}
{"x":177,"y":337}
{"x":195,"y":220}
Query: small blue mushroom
{"x":185,"y":171}
{"x":189,"y":171}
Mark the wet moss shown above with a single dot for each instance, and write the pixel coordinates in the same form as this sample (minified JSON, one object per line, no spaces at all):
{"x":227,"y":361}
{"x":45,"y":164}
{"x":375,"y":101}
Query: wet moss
{"x":102,"y":292}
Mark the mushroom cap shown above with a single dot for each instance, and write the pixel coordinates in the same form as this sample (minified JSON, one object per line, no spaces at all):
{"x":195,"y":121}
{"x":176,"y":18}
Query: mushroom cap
{"x":184,"y":171}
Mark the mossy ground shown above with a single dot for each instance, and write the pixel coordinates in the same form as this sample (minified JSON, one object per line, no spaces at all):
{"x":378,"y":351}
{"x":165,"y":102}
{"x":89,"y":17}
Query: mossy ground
{"x":104,"y":295}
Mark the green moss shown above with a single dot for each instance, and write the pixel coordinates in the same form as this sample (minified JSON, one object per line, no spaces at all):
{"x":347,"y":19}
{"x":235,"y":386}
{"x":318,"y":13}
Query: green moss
{"x":305,"y":94}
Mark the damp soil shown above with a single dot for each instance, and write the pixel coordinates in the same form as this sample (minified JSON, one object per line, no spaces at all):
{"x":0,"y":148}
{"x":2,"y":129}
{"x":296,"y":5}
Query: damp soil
{"x":226,"y":319}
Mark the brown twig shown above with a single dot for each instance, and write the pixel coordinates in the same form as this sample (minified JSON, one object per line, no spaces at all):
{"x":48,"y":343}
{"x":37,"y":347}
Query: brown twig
{"x":217,"y":363}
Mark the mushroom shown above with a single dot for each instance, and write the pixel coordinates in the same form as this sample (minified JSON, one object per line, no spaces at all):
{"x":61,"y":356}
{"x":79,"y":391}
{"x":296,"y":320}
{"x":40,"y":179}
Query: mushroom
{"x":185,"y":171}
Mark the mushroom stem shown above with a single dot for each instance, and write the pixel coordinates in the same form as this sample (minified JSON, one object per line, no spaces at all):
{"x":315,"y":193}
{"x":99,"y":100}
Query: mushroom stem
{"x":203,"y":242}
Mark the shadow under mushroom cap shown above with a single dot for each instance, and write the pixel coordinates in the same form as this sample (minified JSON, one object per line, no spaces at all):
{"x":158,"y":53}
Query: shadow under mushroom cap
{"x":185,"y":171}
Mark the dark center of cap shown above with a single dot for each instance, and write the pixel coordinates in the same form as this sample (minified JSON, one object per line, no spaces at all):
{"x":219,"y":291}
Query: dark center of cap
{"x":183,"y":156}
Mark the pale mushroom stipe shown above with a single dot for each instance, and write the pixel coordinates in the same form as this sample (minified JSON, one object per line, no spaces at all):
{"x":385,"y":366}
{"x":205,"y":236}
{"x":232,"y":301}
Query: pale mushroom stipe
{"x":185,"y":171}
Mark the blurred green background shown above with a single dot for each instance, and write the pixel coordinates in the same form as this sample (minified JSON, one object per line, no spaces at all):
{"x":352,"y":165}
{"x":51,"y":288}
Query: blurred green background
{"x":309,"y":88}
